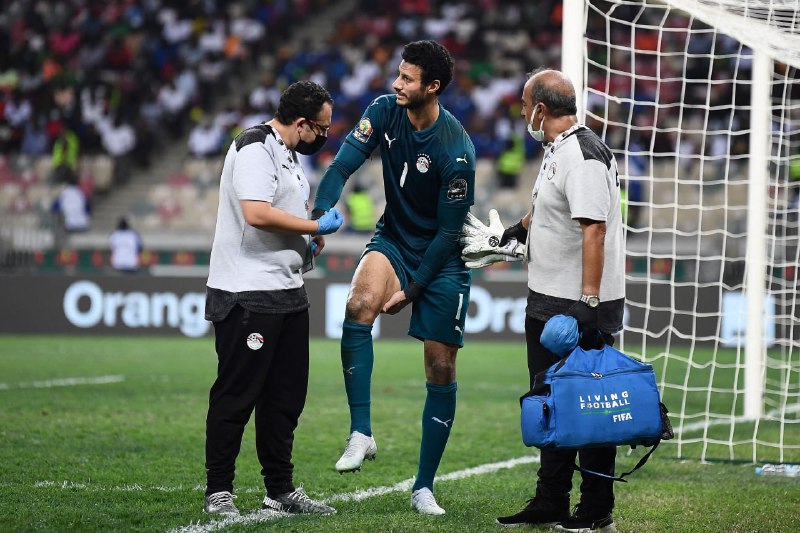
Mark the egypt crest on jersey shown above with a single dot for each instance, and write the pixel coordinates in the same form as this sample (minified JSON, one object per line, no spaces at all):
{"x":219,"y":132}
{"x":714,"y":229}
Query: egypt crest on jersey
{"x":423,"y":163}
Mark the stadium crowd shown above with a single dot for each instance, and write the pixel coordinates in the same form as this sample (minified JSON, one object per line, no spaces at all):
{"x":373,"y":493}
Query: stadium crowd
{"x":81,"y":79}
{"x":95,"y":89}
{"x":493,"y":43}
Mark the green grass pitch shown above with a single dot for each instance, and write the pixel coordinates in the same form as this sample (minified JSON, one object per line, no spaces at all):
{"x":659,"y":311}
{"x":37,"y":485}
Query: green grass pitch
{"x":107,"y":434}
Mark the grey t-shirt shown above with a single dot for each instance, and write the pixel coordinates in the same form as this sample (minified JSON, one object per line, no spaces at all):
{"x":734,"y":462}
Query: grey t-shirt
{"x":578,"y":179}
{"x":252,"y":262}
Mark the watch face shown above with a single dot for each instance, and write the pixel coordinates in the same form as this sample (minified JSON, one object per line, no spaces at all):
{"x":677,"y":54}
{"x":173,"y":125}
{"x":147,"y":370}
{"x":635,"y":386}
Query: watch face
{"x":591,"y":301}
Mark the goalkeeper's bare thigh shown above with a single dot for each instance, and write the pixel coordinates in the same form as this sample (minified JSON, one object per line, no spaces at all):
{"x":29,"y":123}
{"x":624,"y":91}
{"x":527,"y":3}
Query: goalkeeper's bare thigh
{"x":440,"y":312}
{"x":373,"y":284}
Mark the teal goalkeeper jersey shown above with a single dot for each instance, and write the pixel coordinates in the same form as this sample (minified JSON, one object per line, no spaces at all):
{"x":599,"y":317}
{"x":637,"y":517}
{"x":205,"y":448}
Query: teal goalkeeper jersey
{"x":428,"y":178}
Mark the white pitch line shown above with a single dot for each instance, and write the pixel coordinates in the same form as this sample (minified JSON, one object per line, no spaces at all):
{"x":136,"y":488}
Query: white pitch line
{"x":62,"y":382}
{"x":66,"y":484}
{"x":260,"y":516}
{"x":256,"y":517}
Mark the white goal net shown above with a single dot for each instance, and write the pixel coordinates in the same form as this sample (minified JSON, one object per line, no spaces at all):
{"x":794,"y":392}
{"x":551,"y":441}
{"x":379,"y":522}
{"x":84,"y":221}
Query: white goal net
{"x":700,"y":101}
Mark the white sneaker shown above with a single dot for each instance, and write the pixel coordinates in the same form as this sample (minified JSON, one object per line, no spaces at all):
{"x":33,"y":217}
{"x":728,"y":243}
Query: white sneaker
{"x":423,"y":502}
{"x":359,"y":447}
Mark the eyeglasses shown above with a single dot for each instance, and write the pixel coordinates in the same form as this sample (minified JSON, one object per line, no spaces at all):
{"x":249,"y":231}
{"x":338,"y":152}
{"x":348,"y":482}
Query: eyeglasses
{"x":318,"y":128}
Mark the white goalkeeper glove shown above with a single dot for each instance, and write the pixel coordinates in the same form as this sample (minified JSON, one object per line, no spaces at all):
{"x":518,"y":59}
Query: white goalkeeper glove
{"x":482,"y":243}
{"x":480,"y":261}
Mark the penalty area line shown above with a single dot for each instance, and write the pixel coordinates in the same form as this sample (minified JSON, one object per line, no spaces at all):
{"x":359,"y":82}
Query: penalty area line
{"x":261,"y":516}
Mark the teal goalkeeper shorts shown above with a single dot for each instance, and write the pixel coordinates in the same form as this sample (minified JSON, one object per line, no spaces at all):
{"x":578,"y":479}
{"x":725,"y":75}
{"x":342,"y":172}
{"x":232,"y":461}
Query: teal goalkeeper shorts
{"x":440,"y":311}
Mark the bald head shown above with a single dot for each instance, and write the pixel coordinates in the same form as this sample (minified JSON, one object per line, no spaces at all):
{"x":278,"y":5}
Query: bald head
{"x":553,"y":89}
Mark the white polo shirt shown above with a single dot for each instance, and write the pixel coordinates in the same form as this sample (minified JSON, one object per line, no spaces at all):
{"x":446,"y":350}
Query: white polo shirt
{"x":578,"y":179}
{"x":258,"y":166}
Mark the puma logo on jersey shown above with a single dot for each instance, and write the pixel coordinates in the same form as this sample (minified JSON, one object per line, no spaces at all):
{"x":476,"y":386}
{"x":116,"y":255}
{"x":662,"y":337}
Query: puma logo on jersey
{"x":458,"y":329}
{"x":462,"y":159}
{"x":388,"y":140}
{"x":442,"y":422}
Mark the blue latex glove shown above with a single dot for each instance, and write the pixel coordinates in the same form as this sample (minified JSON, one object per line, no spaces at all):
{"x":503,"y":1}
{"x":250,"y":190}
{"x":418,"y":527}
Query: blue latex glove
{"x":329,"y":222}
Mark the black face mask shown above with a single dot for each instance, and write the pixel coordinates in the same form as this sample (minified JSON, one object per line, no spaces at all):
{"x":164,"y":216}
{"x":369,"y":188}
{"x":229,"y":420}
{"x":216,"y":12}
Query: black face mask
{"x":312,"y":147}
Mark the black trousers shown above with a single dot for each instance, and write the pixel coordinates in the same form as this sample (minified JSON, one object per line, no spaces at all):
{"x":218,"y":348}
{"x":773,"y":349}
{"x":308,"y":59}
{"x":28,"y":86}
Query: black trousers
{"x":554,"y":481}
{"x":268,"y":376}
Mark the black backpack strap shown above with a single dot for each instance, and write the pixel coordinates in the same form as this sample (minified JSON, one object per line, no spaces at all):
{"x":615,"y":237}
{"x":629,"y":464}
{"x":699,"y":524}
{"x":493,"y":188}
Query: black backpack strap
{"x":621,"y":477}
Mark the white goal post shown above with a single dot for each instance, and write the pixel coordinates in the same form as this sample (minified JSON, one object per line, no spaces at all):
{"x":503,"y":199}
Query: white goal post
{"x":700,"y":101}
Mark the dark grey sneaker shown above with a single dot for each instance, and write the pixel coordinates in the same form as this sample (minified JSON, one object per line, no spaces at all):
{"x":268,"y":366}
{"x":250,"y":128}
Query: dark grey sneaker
{"x":584,"y":523}
{"x":536,"y":513}
{"x":296,"y":502}
{"x":220,"y":503}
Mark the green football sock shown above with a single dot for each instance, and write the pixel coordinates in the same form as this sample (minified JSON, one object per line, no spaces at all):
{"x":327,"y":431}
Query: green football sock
{"x":437,"y":420}
{"x":357,"y":360}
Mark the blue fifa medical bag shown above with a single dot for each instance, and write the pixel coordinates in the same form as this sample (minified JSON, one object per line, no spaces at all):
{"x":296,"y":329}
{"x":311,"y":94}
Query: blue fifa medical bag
{"x":593,"y":398}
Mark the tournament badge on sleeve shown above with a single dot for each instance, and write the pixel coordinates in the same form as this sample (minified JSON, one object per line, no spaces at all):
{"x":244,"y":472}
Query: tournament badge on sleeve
{"x":364,"y":130}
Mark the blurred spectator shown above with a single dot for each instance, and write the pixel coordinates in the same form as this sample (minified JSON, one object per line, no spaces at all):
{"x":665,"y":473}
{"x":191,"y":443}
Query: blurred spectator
{"x":631,"y":192}
{"x":205,"y":139}
{"x":93,"y":103}
{"x":186,"y":80}
{"x":73,"y":205}
{"x":361,"y":210}
{"x":175,"y":29}
{"x":145,"y":142}
{"x":126,"y":245}
{"x":794,"y":181}
{"x":265,"y":95}
{"x":211,"y":75}
{"x":174,"y":103}
{"x":118,"y":140}
{"x":35,"y":141}
{"x":118,"y":55}
{"x":66,"y":149}
{"x":17,"y":113}
{"x":150,"y":120}
{"x":510,"y":162}
{"x":250,"y":116}
{"x":623,"y":202}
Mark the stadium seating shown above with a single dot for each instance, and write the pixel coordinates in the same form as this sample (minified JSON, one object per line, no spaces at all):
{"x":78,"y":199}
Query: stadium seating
{"x":356,"y":59}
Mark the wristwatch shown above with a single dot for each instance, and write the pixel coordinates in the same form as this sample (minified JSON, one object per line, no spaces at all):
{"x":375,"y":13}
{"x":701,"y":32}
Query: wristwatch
{"x":591,"y":301}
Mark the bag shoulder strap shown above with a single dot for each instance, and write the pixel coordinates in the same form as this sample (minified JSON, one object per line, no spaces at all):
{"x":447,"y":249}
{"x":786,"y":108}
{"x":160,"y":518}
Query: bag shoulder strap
{"x":541,"y":381}
{"x":621,"y":477}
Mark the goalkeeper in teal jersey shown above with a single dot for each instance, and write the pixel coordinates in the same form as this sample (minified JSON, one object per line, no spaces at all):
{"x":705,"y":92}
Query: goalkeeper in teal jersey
{"x":414,"y":257}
